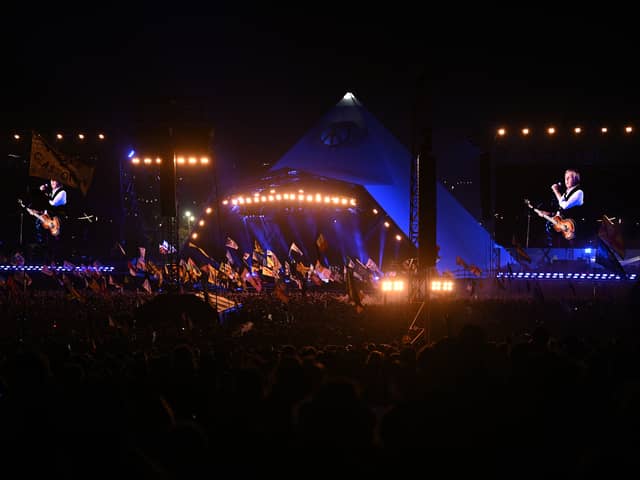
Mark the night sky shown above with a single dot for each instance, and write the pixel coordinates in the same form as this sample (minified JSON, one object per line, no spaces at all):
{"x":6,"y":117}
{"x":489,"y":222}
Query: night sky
{"x":262,"y":77}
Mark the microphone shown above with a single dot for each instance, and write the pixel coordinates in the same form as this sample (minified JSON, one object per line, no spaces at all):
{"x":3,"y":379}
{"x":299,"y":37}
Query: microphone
{"x":559,"y":184}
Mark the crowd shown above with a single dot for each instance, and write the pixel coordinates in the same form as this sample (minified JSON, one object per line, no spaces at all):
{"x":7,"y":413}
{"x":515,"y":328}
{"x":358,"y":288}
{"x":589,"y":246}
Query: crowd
{"x":130,"y":384}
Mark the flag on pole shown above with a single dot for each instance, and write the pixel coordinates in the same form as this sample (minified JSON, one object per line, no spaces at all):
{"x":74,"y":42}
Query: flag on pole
{"x":45,"y":162}
{"x":322,"y":244}
{"x":230,"y":242}
{"x":611,"y":233}
{"x":205,"y":254}
{"x":257,"y":248}
{"x":295,"y":248}
{"x":607,"y":258}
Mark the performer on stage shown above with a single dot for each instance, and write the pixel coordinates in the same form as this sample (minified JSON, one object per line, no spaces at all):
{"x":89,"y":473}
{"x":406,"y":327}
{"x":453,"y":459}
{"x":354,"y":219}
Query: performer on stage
{"x":569,"y":202}
{"x":56,"y":197}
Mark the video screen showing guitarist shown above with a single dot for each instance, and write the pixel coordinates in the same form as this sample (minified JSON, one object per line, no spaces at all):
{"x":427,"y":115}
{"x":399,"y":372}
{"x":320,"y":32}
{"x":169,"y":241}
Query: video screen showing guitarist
{"x":50,"y":234}
{"x":570,"y":204}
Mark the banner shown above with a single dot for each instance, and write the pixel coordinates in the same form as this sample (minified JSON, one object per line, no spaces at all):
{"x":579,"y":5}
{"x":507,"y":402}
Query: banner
{"x":45,"y":162}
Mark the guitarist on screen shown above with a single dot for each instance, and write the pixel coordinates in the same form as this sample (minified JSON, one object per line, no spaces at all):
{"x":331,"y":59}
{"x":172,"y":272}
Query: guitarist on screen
{"x":56,"y":197}
{"x":570,"y":201}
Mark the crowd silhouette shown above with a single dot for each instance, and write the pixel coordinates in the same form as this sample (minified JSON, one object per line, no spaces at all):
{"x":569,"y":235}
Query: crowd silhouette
{"x":310,"y":386}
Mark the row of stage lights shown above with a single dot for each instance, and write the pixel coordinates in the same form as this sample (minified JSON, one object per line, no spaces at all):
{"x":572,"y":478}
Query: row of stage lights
{"x":59,"y":136}
{"x":36,"y":268}
{"x":300,"y":196}
{"x":396,"y":286}
{"x":318,"y":198}
{"x":526,"y":131}
{"x":179,"y":160}
{"x":564,"y":276}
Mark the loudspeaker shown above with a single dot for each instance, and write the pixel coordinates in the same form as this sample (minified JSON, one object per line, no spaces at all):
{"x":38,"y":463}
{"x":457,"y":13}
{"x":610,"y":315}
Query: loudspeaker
{"x":168,"y":189}
{"x":427,"y":204}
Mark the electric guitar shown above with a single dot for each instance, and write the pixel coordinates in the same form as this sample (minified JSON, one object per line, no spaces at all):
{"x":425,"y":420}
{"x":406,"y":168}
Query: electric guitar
{"x":566,"y":226}
{"x":49,"y":223}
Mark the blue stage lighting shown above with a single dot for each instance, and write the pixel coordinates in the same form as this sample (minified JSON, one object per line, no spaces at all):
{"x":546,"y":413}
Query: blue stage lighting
{"x":131,"y":153}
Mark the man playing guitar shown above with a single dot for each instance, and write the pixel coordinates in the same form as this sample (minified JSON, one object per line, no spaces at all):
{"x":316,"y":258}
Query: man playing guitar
{"x":56,"y":197}
{"x":568,"y":203}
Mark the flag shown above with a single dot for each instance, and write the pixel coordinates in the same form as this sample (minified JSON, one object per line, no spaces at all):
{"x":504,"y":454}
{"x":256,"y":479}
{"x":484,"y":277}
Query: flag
{"x":461,"y":262}
{"x":229,"y":257}
{"x":146,"y":286}
{"x":474,"y":269}
{"x":273,"y":262}
{"x":231,"y":243}
{"x":607,"y":258}
{"x":371,"y":265}
{"x":193,"y":245}
{"x":322,"y":244}
{"x":257,"y":248}
{"x":522,"y":255}
{"x":164,"y":248}
{"x":45,"y":162}
{"x":611,"y":233}
{"x":323,"y":272}
{"x":295,"y":248}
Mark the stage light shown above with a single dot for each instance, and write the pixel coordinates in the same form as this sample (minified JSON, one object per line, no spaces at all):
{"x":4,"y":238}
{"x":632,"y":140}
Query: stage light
{"x":209,"y":210}
{"x":577,"y":130}
{"x":502,"y":132}
{"x":81,"y":136}
{"x":135,"y":160}
{"x":194,"y":235}
{"x":129,"y":155}
{"x":187,"y":214}
{"x":375,"y":211}
{"x":204,"y":161}
{"x":386,"y":224}
{"x":192,"y":160}
{"x":158,"y":160}
{"x":398,"y":237}
{"x":147,"y":161}
{"x":551,"y":130}
{"x":201,"y":223}
{"x":272,"y":191}
{"x":604,"y":129}
{"x":180,"y":160}
{"x":441,"y":286}
{"x":59,"y":137}
{"x":628,"y":129}
{"x":101,"y":136}
{"x":16,"y":136}
{"x":278,"y":197}
{"x":525,"y":131}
